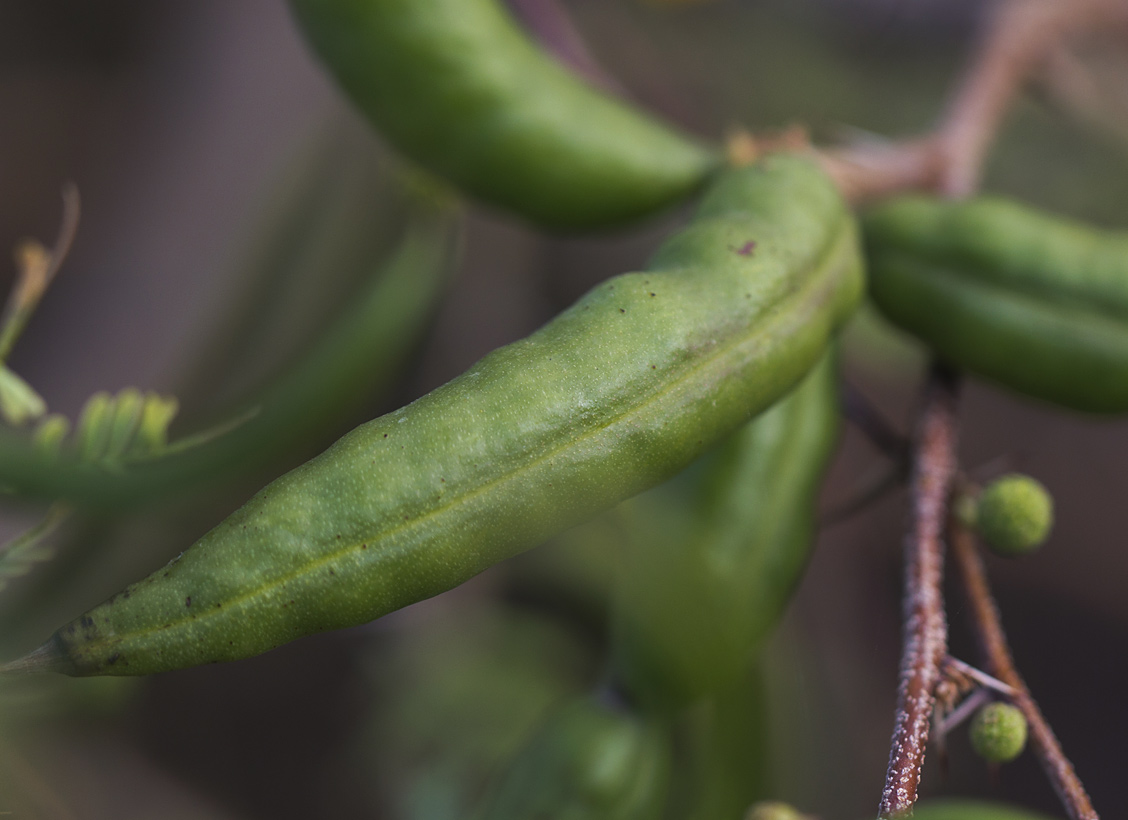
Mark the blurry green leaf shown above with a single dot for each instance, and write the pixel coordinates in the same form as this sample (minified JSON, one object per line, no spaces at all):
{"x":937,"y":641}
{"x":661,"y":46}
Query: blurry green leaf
{"x":19,"y":402}
{"x":94,"y":426}
{"x":51,"y":433}
{"x":20,"y":554}
{"x":156,"y":415}
{"x":129,"y":404}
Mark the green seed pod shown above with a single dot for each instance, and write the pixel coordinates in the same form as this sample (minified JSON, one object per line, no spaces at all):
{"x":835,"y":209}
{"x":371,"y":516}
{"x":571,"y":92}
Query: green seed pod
{"x":586,"y":762}
{"x":1014,"y":515}
{"x":998,"y":732}
{"x":697,"y":600}
{"x":459,"y":88}
{"x":971,"y":810}
{"x":1034,"y":302}
{"x":612,"y":397}
{"x":725,"y":752}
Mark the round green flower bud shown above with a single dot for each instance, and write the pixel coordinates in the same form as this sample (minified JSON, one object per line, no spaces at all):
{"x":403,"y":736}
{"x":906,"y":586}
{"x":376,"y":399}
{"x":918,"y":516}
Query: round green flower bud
{"x":998,"y":732}
{"x":1014,"y":515}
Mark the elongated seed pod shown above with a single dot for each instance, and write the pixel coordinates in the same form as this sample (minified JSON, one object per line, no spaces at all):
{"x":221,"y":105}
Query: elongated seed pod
{"x":1034,"y":302}
{"x":615,"y":395}
{"x":696,"y":601}
{"x":456,"y":86}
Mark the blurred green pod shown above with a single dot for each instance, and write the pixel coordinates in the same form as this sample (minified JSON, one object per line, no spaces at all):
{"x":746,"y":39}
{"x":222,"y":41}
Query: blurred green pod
{"x":458,"y":87}
{"x":615,"y":395}
{"x":586,"y":762}
{"x":698,"y":597}
{"x":1034,"y":302}
{"x":456,"y":698}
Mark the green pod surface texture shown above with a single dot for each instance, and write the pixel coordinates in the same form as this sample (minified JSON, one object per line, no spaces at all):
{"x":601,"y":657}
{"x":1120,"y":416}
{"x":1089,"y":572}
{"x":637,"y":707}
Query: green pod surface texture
{"x":696,"y":601}
{"x":1036,"y":303}
{"x":615,"y":395}
{"x":458,"y":87}
{"x":586,"y":762}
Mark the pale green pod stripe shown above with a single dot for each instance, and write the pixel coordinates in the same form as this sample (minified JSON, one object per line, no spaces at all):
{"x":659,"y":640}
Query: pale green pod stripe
{"x":615,"y":395}
{"x":458,"y":87}
{"x":1036,"y":303}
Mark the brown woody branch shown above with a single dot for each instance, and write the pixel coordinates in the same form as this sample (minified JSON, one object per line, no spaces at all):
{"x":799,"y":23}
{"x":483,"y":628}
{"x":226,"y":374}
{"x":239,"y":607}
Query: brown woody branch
{"x":925,"y":626}
{"x":1020,"y":37}
{"x":985,"y":621}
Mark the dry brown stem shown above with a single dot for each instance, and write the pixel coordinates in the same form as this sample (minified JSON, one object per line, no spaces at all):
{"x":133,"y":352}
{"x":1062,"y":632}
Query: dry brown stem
{"x":925,"y":627}
{"x":988,"y":627}
{"x":1020,"y":37}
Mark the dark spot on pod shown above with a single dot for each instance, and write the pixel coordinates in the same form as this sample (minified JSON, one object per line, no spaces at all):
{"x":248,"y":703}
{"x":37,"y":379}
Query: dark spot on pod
{"x":125,"y":594}
{"x":621,"y":310}
{"x":364,"y":546}
{"x":86,"y":622}
{"x":331,"y":572}
{"x":291,"y":602}
{"x":653,"y":367}
{"x":385,"y":435}
{"x":166,"y":575}
{"x":188,"y":601}
{"x":110,"y":661}
{"x":653,"y":294}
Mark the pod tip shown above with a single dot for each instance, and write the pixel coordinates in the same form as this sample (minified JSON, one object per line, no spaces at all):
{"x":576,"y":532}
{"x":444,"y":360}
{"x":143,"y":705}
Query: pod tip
{"x":44,"y":659}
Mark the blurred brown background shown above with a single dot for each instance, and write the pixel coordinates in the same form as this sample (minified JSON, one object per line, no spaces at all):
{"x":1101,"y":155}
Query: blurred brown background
{"x":177,"y":119}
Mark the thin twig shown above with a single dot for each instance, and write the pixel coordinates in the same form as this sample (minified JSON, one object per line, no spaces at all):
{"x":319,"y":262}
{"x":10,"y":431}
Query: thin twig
{"x":869,"y":491}
{"x":862,"y":413}
{"x":926,"y":629}
{"x":1021,"y":35}
{"x":37,"y":269}
{"x":999,"y":661}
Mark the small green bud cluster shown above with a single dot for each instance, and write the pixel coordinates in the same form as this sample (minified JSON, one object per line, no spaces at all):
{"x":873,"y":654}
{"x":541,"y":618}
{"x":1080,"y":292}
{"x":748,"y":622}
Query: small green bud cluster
{"x":1014,"y":515}
{"x":998,"y":732}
